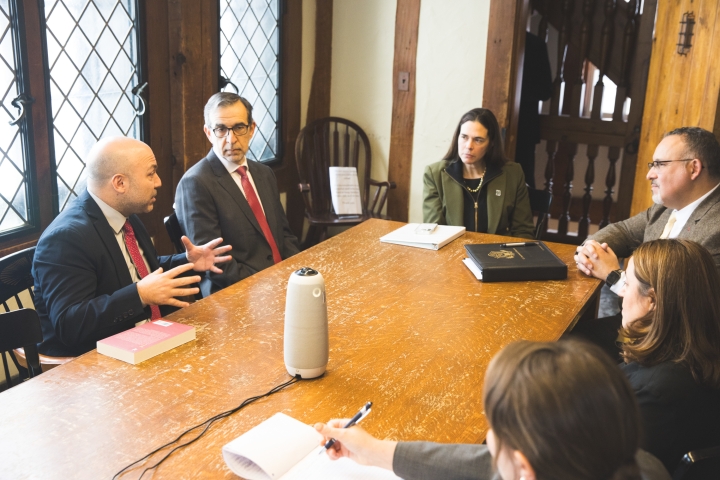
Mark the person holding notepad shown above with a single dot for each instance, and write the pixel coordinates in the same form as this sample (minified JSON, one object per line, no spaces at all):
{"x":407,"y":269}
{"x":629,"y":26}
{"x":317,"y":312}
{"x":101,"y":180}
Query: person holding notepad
{"x":474,"y":185}
{"x":590,"y":431}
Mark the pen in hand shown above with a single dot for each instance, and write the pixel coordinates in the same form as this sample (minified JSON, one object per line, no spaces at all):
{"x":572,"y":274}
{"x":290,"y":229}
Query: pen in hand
{"x":353,"y":421}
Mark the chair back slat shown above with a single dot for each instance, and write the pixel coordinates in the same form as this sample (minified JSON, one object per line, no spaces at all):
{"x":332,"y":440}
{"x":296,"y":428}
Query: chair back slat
{"x":335,"y":160}
{"x":346,"y":161}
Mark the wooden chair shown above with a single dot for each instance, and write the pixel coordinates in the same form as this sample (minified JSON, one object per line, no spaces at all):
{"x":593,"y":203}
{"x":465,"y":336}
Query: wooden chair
{"x":20,"y":329}
{"x":540,"y":202}
{"x":335,"y":142}
{"x":172,"y":225}
{"x":15,"y":278}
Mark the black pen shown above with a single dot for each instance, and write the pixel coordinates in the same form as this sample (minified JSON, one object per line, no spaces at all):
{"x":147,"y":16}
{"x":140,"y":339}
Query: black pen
{"x":353,"y":421}
{"x":518,"y":244}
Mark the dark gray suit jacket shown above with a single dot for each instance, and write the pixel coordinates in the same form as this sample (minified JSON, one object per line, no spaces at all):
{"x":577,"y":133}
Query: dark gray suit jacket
{"x":209,"y":204}
{"x":83,"y":289}
{"x":426,"y":461}
{"x":703,"y":227}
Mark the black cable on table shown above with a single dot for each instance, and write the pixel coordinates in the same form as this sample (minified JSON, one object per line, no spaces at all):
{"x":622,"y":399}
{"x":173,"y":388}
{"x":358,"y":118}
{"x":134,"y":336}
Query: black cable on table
{"x":207,"y":423}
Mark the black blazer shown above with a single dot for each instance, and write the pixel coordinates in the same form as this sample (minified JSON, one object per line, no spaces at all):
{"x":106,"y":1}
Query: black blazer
{"x":678,"y":414}
{"x":83,"y":289}
{"x":209,"y":205}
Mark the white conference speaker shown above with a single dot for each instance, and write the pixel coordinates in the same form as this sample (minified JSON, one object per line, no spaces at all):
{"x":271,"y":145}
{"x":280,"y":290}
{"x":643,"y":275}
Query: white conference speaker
{"x":306,"y":324}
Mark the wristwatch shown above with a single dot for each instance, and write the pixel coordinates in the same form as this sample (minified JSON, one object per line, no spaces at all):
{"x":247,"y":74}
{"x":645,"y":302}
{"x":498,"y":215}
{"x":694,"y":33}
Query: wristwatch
{"x":613,"y":277}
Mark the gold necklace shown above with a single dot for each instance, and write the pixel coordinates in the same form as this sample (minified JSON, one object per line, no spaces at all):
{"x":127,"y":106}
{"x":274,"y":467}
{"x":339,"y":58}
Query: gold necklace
{"x":475,"y":190}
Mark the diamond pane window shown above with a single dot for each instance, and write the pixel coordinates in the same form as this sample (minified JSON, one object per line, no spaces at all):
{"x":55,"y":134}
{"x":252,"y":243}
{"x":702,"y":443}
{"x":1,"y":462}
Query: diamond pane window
{"x":15,"y":211}
{"x":249,"y":59}
{"x":93,"y":58}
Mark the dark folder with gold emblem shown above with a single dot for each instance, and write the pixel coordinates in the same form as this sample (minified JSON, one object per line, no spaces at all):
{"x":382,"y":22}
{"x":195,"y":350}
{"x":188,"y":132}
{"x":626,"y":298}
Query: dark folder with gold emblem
{"x":515,"y":264}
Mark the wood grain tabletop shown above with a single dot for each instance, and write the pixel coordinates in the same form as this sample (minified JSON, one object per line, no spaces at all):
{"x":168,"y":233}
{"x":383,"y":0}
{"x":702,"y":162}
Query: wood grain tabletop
{"x":410,"y":330}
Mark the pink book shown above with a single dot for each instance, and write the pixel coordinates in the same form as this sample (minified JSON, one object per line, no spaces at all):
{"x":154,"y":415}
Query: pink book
{"x":145,"y":341}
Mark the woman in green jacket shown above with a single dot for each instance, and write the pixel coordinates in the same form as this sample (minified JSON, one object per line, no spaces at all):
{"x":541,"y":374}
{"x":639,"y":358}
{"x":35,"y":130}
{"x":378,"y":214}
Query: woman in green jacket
{"x":474,"y":185}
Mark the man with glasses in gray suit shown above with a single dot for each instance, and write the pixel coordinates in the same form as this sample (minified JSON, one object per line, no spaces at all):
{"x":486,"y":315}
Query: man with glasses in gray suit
{"x":684,"y":177}
{"x":226,"y":192}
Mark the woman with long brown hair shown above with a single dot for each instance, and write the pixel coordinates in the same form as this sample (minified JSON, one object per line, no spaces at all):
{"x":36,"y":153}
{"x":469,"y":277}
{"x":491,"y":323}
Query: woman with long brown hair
{"x":558,"y":410}
{"x":474,"y":185}
{"x":671,"y":319}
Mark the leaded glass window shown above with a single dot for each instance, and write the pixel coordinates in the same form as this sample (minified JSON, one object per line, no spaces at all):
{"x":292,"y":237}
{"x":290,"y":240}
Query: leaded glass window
{"x":15,"y":182}
{"x":93,"y":58}
{"x":249,"y":59}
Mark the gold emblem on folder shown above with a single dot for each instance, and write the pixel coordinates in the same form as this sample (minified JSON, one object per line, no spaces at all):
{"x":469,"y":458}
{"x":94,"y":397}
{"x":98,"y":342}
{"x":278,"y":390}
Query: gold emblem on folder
{"x":502,"y":254}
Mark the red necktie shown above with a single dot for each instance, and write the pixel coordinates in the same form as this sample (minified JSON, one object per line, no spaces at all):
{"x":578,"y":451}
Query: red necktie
{"x":252,"y":199}
{"x":132,"y":246}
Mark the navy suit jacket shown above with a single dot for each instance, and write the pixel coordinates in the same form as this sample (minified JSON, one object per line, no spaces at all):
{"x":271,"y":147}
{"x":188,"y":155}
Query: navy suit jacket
{"x":83,"y":289}
{"x":209,"y":205}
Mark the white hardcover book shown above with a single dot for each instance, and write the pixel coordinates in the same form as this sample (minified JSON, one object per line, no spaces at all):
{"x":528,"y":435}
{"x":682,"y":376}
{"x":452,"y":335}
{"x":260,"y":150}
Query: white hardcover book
{"x":440,"y":236}
{"x":284,"y":448}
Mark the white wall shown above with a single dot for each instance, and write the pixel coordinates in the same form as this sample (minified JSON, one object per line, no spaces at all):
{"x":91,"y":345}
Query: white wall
{"x":452,"y":42}
{"x":362,"y":64}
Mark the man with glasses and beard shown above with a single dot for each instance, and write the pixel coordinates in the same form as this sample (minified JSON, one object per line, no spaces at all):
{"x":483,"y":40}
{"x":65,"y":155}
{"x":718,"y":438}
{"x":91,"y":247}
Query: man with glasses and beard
{"x":225,"y":194}
{"x":684,"y":177}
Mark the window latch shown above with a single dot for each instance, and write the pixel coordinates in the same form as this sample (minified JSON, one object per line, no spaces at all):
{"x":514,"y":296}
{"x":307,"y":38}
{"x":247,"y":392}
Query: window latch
{"x":224,"y":82}
{"x":137,"y":91}
{"x":19,"y":102}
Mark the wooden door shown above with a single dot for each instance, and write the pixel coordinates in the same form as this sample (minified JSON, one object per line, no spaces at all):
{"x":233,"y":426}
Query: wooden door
{"x":683,"y":88}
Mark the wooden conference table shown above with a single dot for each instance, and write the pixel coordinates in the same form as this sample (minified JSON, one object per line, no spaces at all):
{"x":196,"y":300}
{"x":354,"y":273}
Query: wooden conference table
{"x":410,"y":330}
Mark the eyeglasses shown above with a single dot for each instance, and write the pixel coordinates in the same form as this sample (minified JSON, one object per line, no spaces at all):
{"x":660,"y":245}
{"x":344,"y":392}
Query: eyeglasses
{"x":661,"y":163}
{"x":223,"y":131}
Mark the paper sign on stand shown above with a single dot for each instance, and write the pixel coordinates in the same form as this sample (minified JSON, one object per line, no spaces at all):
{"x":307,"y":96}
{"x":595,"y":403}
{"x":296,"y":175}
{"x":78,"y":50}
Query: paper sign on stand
{"x":345,"y":191}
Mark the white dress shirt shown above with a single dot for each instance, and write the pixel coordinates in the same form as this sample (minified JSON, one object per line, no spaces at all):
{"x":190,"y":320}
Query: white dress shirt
{"x":116,"y":221}
{"x":683,"y":215}
{"x":681,"y":218}
{"x":232,"y":170}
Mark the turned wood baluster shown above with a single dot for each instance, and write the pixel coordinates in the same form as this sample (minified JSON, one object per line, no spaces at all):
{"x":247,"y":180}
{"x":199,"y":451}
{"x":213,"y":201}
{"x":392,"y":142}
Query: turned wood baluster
{"x":584,"y":224}
{"x":613,"y":155}
{"x":622,"y":89}
{"x":627,"y":51}
{"x":585,"y":39}
{"x":555,"y":108}
{"x":570,"y":150}
{"x":551,"y":150}
{"x":606,"y":40}
{"x":563,"y":40}
{"x":550,"y":145}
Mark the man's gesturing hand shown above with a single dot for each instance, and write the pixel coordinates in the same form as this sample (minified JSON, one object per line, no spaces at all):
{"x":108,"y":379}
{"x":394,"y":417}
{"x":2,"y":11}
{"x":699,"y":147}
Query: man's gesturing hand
{"x":159,"y":288}
{"x":204,"y":257}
